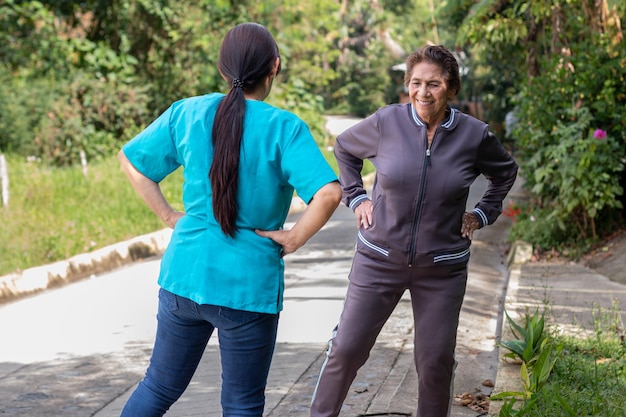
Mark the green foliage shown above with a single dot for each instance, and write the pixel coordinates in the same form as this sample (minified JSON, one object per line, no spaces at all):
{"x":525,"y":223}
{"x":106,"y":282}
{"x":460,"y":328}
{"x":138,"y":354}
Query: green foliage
{"x":292,"y":95}
{"x":340,"y":57}
{"x":538,"y":354}
{"x":308,"y":47}
{"x":530,"y":338}
{"x":88,"y":75}
{"x":23,"y":105}
{"x":79,"y":95}
{"x":177,"y":46}
{"x":500,"y":24}
{"x":494,"y":35}
{"x":573,"y":85}
{"x":580,"y":172}
{"x":96,"y":72}
{"x":534,"y":380}
{"x":92,"y":115}
{"x":30,"y":44}
{"x":55,"y":213}
{"x":508,"y":409}
{"x":575,"y":178}
{"x":364,"y":94}
{"x":588,"y":379}
{"x":569,"y":376}
{"x":537,"y":226}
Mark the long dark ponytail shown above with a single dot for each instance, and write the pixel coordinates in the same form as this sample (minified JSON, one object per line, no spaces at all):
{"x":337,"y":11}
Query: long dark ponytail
{"x":247,"y":56}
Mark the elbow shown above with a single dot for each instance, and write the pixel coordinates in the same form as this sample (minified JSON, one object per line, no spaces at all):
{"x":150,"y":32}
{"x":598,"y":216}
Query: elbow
{"x":336,"y":193}
{"x":330,"y":194}
{"x":121,"y":157}
{"x":127,"y":167}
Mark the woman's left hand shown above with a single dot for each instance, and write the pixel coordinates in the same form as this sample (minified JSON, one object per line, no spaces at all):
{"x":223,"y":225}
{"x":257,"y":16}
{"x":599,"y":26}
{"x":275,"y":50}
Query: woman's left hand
{"x":470,"y":223}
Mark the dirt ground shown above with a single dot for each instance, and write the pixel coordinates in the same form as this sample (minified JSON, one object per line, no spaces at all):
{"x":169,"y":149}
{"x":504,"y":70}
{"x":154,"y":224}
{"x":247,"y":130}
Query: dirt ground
{"x":609,"y":258}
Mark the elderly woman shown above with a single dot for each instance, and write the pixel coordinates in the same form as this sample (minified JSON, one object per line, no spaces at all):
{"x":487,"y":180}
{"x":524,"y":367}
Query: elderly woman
{"x":414,"y":232}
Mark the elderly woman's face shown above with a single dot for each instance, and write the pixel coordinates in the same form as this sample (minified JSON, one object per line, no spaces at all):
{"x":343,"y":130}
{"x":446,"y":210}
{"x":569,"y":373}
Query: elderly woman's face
{"x":428,"y":92}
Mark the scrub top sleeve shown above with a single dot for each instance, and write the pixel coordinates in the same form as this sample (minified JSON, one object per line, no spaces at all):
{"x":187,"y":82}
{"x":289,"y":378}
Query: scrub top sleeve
{"x":153,"y":151}
{"x":303,"y":164}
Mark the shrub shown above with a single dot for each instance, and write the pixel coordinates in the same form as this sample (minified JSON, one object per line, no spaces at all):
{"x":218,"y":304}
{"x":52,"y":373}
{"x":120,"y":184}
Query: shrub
{"x":580,"y":168}
{"x":571,"y":142}
{"x":23,"y":104}
{"x":90,"y":114}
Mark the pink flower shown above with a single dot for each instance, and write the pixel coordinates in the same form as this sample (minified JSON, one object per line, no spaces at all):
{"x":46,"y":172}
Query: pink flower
{"x":599,"y":134}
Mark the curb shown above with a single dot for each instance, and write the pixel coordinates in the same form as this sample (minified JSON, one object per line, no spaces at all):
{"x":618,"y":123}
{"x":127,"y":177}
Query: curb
{"x":37,"y":279}
{"x":508,"y":375}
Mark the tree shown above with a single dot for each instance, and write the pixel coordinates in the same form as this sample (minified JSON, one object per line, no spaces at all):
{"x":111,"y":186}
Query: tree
{"x":573,"y":86}
{"x":99,"y":70}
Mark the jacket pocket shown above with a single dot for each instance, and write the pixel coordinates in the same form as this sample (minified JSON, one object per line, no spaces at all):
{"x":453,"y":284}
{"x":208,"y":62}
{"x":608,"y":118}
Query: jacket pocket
{"x":452,"y":257}
{"x":372,"y":246}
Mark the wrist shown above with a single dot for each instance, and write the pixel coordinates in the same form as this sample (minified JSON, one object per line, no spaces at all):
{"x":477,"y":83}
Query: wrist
{"x":481,"y":217}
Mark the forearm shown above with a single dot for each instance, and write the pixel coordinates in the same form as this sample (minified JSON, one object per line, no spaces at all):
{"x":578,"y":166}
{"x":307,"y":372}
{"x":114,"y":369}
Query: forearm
{"x":149,"y":191}
{"x":490,"y":205}
{"x":500,"y":169}
{"x":350,"y":175}
{"x":317,"y":213}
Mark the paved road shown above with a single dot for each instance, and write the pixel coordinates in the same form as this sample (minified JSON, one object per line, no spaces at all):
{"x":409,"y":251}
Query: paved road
{"x":79,"y":350}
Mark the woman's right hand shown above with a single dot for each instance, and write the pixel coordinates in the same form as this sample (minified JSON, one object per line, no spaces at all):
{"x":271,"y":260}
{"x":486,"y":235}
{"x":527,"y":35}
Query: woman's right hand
{"x":363,"y":214}
{"x":150,"y":192}
{"x":173,"y":218}
{"x":316,"y":214}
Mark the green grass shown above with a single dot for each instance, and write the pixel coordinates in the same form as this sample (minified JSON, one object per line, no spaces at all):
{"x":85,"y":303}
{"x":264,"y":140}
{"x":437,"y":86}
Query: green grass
{"x":589,"y":379}
{"x":589,"y":374}
{"x":56,"y":213}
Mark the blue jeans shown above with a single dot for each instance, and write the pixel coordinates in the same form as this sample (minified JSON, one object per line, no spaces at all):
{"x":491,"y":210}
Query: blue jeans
{"x":246,"y":341}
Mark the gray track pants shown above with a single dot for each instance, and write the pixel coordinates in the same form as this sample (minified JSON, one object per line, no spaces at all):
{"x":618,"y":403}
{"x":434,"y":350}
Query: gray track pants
{"x":375,"y":289}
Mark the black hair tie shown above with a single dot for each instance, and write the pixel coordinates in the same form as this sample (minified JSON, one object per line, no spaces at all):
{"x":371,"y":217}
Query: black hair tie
{"x":237,"y":83}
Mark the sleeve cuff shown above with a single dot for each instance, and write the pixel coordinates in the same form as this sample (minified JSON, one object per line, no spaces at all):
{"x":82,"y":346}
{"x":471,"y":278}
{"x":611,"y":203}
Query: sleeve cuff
{"x":481,"y":216}
{"x":357,"y":200}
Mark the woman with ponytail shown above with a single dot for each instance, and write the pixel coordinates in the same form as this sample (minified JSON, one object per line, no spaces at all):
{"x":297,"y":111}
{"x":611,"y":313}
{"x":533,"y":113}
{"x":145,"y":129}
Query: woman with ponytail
{"x":223,"y":268}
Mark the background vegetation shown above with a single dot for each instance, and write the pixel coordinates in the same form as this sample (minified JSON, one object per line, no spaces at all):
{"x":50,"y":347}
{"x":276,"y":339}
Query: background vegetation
{"x":87,"y":76}
{"x":569,"y":374}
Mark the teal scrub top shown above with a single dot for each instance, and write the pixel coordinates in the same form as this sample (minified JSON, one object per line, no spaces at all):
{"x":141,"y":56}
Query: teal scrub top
{"x":278,"y":155}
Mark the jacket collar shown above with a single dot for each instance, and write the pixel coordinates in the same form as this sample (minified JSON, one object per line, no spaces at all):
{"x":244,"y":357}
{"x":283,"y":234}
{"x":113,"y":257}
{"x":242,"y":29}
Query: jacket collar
{"x":447,"y":123}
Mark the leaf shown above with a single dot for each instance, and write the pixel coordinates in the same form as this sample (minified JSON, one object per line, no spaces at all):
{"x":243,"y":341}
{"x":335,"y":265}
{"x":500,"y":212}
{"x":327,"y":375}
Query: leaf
{"x":515,"y":346}
{"x":565,"y":406}
{"x":517,"y":330}
{"x":507,"y":395}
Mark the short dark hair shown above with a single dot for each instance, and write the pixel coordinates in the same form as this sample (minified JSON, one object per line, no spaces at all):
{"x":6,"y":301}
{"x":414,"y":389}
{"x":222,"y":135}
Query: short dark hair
{"x":438,"y":55}
{"x":248,"y":55}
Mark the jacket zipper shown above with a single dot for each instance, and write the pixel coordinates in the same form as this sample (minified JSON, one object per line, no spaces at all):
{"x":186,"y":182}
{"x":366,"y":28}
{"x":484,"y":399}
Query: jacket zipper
{"x":418,"y":209}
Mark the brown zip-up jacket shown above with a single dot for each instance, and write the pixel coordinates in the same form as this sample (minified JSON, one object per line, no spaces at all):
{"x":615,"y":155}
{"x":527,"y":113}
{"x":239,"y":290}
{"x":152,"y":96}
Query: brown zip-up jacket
{"x":420,"y":193}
